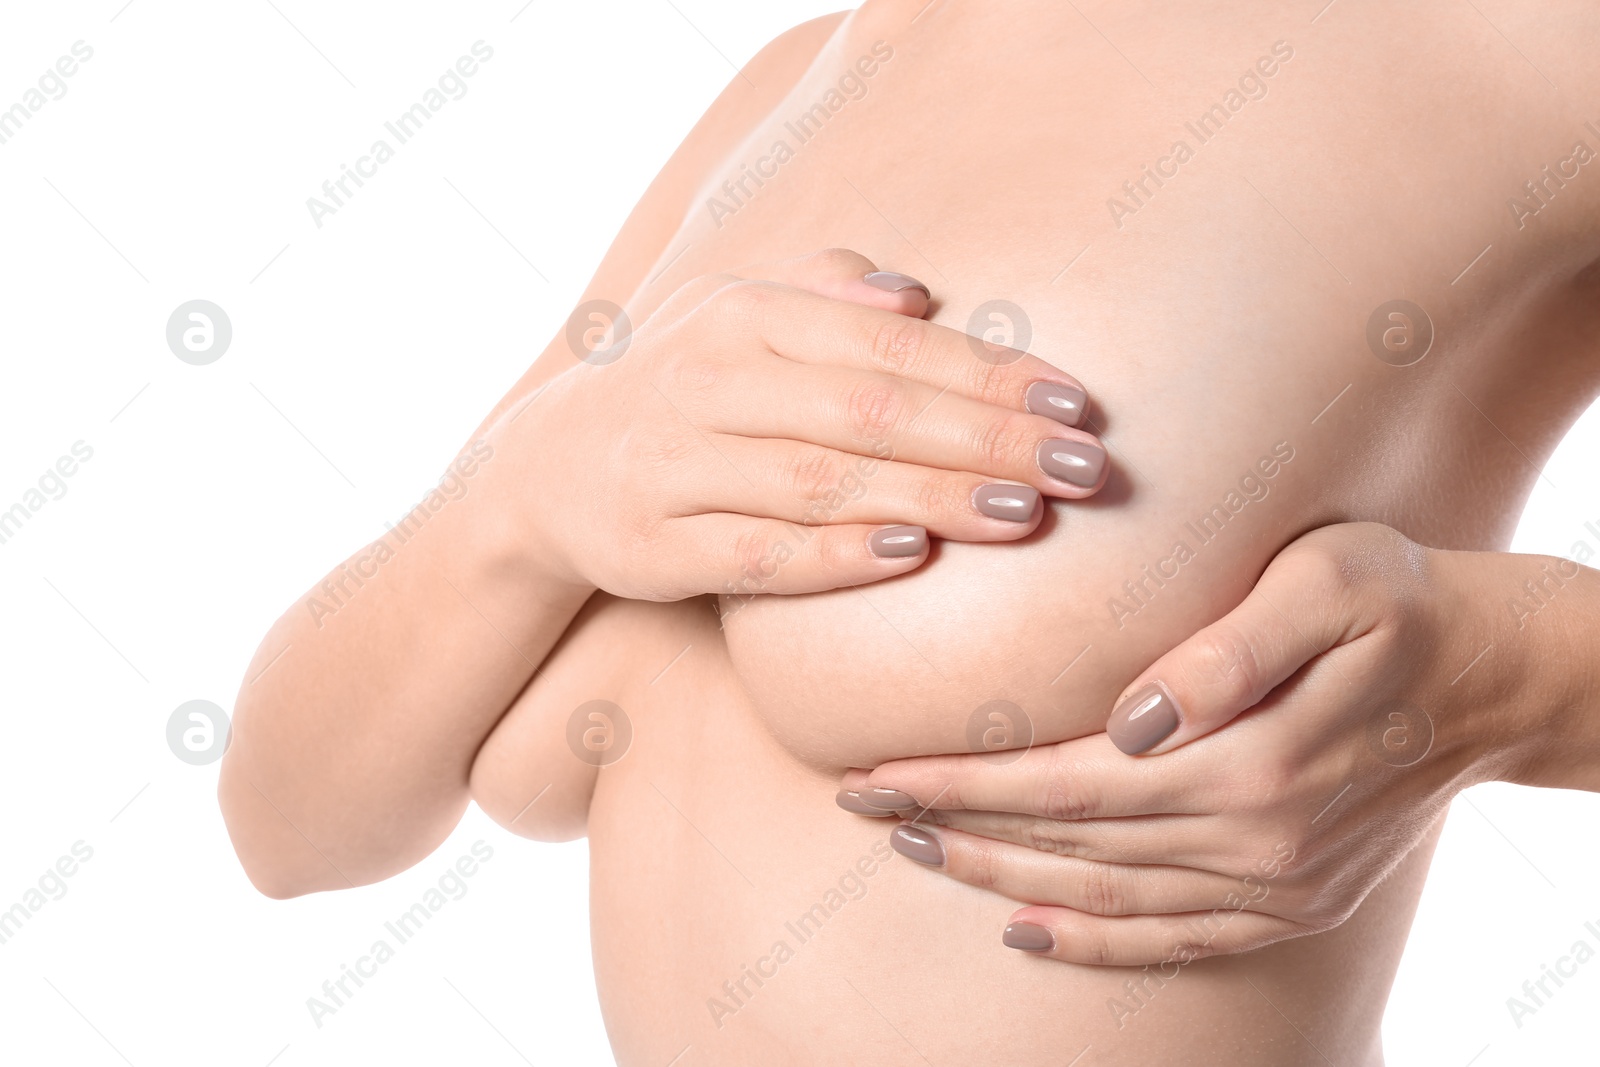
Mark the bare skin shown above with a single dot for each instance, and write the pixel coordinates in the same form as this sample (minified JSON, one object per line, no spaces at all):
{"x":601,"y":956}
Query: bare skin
{"x":1221,"y":328}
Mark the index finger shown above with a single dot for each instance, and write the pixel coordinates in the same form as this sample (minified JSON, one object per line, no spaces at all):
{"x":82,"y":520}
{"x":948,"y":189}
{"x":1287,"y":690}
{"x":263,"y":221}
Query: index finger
{"x":806,"y":328}
{"x":1087,"y":778}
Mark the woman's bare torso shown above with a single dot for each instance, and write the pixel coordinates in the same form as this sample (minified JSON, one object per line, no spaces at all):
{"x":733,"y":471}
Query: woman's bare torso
{"x":1219,"y":314}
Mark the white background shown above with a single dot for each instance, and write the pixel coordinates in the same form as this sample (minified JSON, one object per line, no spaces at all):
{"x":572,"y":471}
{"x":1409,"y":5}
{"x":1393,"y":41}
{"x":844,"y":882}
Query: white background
{"x":177,"y":167}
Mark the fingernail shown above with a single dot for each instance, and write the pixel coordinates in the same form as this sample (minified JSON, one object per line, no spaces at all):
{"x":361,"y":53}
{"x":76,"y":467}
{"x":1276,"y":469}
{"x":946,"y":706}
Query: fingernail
{"x":894,"y":541}
{"x":1028,"y":937}
{"x":1012,"y":502}
{"x":1064,"y":403}
{"x":853,"y":803}
{"x":1074,"y":462}
{"x":1144,"y":720}
{"x":888,"y":799}
{"x":890,"y":282}
{"x":915,"y":843}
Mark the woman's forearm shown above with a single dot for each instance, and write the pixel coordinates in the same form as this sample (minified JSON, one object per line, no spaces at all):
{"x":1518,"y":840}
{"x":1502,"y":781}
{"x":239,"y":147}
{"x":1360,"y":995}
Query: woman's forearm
{"x":357,"y":722}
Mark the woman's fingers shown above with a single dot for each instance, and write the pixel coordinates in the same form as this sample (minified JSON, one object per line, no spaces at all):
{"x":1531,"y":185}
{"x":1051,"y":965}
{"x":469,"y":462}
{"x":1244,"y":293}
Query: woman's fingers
{"x":1182,"y":840}
{"x":1030,"y":875}
{"x":1137,"y":940}
{"x":1302,"y":607}
{"x":871,"y":413}
{"x":812,"y":485}
{"x":1081,"y":779}
{"x":742,"y":556}
{"x":841,"y":274}
{"x":810,"y":329}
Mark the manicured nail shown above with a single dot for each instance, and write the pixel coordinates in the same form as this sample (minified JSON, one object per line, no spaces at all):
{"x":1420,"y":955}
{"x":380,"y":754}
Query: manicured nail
{"x":1012,"y":502}
{"x":888,"y":799}
{"x":1144,"y":720}
{"x":894,"y":541}
{"x":890,"y":282}
{"x":1074,"y":462}
{"x":1064,"y":403}
{"x":1028,"y":937}
{"x":915,"y":843}
{"x":852,"y":803}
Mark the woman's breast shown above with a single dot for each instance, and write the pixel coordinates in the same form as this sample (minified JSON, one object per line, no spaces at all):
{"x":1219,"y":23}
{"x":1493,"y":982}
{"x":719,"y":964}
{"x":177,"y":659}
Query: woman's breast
{"x":1219,"y":317}
{"x":1002,"y":645}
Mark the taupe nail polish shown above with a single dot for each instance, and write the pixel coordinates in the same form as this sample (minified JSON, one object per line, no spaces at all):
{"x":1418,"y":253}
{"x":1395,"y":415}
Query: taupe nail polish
{"x":1064,"y":403}
{"x":1012,"y":502}
{"x":1074,"y":462}
{"x":853,"y":803}
{"x":890,"y":282}
{"x":915,"y":843}
{"x":888,"y":799}
{"x":1028,"y":937}
{"x":1144,"y":720}
{"x":892,"y":542}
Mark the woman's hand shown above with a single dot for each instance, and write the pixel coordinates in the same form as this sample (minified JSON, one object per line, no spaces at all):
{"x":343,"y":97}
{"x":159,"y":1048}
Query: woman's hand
{"x":761,"y":430}
{"x":1380,"y":677}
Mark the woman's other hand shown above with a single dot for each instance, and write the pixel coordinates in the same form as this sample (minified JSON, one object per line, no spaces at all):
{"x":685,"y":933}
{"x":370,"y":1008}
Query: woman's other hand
{"x":1363,"y":683}
{"x":789,"y":428}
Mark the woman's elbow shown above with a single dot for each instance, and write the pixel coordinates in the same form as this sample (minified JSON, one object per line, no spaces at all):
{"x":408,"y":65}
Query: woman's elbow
{"x":276,"y":866}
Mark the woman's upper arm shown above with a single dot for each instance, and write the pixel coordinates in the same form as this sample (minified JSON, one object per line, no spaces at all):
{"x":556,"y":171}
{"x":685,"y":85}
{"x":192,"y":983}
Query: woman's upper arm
{"x":528,"y":749}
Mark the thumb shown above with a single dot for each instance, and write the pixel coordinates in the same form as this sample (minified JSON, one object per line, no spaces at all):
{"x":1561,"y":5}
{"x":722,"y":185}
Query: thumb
{"x":1288,"y":619}
{"x":840,"y":274}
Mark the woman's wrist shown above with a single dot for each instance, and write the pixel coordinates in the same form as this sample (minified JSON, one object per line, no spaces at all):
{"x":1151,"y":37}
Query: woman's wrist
{"x":507,"y":525}
{"x":1558,"y":607}
{"x":1532,"y":672}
